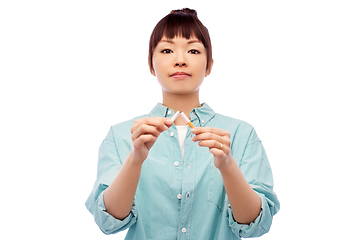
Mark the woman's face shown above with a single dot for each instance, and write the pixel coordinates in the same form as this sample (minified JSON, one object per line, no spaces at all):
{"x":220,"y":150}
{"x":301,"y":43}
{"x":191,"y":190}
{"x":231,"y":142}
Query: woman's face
{"x":180,"y":64}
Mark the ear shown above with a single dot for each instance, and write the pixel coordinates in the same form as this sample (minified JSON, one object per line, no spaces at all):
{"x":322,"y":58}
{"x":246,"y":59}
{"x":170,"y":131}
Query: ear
{"x":208,"y":71}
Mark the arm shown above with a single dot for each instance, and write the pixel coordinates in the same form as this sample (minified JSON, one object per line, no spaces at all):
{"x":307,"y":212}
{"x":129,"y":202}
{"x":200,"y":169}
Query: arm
{"x":244,"y":201}
{"x":119,"y":196}
{"x":122,"y":189}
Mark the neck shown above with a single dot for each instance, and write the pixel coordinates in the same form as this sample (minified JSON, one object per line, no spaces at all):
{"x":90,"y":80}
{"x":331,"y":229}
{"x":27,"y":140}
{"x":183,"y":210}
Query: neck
{"x":182,"y":103}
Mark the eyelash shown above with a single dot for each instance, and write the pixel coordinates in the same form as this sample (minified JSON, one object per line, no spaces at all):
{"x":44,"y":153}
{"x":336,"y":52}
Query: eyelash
{"x":166,"y":51}
{"x":192,"y":51}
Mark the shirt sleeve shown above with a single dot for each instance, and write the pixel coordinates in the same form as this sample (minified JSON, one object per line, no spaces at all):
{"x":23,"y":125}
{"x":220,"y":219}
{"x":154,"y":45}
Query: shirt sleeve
{"x":109,"y":165}
{"x":256,"y":169}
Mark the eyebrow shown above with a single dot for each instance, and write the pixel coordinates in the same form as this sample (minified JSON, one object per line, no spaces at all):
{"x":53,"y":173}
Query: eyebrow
{"x":194,"y":41}
{"x":166,"y":40}
{"x":172,"y":42}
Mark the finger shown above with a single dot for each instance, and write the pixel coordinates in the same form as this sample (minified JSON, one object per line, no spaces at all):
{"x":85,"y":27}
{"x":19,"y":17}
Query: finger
{"x":145,"y":129}
{"x":207,"y":136}
{"x":217,"y":131}
{"x":217,"y":152}
{"x":162,"y":124}
{"x":215,"y":144}
{"x":225,"y":140}
{"x":209,"y":144}
{"x":143,"y":139}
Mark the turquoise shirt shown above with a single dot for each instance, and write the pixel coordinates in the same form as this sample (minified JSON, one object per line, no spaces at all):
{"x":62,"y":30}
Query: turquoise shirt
{"x":184,"y":198}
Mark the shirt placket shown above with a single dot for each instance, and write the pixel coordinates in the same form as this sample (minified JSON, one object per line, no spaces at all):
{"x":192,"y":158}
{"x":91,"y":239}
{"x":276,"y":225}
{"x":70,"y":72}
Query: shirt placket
{"x":188,"y":185}
{"x":178,"y":176}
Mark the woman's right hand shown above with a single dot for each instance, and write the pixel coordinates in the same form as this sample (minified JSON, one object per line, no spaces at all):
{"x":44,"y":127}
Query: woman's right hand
{"x":144,"y":133}
{"x":119,"y":196}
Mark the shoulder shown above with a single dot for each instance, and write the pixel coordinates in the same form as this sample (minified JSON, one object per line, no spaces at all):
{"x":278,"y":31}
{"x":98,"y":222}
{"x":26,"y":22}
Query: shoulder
{"x":239,"y":129}
{"x":233,"y":123}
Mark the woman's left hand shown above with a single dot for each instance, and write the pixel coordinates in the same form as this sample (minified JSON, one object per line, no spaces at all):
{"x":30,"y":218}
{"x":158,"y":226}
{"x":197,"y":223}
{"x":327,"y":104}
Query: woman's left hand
{"x":218,"y":142}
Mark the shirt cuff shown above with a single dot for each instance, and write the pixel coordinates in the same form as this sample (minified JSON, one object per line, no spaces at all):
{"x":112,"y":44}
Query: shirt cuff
{"x":257,"y":228}
{"x":110,"y":225}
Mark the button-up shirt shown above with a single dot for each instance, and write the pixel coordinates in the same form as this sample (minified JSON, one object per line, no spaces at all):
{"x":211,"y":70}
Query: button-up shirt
{"x":184,"y":197}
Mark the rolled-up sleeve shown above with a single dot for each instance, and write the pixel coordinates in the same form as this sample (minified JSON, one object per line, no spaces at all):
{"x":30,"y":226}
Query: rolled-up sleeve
{"x":256,"y":169}
{"x":108,"y":167}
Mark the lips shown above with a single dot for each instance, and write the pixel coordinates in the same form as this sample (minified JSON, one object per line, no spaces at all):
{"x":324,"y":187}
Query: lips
{"x":180,"y":75}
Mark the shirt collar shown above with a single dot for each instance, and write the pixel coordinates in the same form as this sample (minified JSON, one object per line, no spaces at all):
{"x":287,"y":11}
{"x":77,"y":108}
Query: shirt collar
{"x":203,"y":114}
{"x":159,"y":111}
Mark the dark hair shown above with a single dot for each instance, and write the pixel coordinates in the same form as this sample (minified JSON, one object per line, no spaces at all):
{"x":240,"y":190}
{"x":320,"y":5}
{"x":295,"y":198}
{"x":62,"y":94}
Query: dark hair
{"x":180,"y":23}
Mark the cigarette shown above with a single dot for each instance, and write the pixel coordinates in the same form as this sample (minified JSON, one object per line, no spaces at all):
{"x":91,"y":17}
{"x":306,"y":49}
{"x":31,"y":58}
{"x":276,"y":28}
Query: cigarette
{"x":187,"y":120}
{"x":175,"y":116}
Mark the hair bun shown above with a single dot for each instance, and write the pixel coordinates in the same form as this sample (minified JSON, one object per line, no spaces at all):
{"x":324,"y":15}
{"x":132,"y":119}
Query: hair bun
{"x":185,"y":10}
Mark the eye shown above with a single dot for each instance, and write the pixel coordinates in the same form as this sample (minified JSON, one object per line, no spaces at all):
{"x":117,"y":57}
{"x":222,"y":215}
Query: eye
{"x":194,"y":51}
{"x":167,"y":51}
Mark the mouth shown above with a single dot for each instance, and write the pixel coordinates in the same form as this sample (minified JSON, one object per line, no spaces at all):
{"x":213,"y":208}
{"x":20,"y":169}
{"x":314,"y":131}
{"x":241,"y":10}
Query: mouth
{"x":180,"y":75}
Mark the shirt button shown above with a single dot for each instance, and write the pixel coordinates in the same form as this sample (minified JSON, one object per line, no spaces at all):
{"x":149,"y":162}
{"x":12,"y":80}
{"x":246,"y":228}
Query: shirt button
{"x":176,"y":163}
{"x":203,"y":121}
{"x":169,"y":112}
{"x":183,"y":230}
{"x":172,"y":134}
{"x":179,"y":196}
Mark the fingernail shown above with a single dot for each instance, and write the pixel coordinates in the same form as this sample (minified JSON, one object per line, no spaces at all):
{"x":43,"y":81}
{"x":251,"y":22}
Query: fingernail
{"x":194,"y":130}
{"x":169,"y":121}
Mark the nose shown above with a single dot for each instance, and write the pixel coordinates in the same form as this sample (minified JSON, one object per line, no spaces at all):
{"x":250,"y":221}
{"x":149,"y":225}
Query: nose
{"x":180,"y":64}
{"x":180,"y":61}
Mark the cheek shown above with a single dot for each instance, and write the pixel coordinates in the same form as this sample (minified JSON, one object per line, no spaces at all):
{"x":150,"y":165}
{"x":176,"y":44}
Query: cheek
{"x":202,"y":62}
{"x":201,"y":66}
{"x":159,"y":66}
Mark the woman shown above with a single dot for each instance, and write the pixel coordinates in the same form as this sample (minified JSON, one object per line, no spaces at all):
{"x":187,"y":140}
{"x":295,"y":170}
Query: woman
{"x":165,"y":180}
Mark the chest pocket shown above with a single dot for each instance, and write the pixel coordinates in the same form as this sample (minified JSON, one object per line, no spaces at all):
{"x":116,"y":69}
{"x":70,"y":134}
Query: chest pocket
{"x":216,"y":190}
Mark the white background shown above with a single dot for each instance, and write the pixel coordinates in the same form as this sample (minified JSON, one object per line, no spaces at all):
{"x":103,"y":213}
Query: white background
{"x":71,"y":69}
